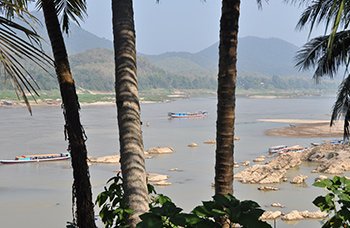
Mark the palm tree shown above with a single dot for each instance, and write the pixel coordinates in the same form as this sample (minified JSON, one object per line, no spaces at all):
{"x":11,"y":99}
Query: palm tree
{"x":14,"y":49}
{"x":82,"y":196}
{"x":328,"y":52}
{"x":225,"y":124}
{"x":128,"y":108}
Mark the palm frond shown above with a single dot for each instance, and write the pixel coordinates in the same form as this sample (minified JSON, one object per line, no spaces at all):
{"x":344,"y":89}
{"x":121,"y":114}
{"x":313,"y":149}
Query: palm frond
{"x":316,"y":54}
{"x":13,"y":50}
{"x":342,"y":106}
{"x":18,"y":8}
{"x":75,"y":10}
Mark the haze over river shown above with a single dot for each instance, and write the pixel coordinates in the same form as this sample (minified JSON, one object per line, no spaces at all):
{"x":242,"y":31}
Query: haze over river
{"x":39,"y":194}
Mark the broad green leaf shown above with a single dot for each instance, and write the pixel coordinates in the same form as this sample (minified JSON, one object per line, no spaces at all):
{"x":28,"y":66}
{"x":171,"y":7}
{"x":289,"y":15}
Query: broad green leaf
{"x":178,"y":220}
{"x":218,"y":213}
{"x":320,"y":202}
{"x":170,"y":209}
{"x":150,"y":222}
{"x":201,"y":211}
{"x":223,"y":200}
{"x":248,"y":221}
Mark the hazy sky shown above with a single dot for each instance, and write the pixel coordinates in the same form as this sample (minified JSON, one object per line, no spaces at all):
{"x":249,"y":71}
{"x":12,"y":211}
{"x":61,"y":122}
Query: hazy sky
{"x":192,"y":25}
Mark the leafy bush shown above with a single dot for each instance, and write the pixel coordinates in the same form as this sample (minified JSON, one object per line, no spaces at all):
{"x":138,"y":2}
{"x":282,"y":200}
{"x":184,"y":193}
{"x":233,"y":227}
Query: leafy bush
{"x":245,"y":213}
{"x":114,"y":209}
{"x":336,"y":203}
{"x":164,"y":213}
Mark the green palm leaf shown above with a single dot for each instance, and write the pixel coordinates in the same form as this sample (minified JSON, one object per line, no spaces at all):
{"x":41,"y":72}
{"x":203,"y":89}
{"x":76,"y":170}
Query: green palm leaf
{"x":70,"y":10}
{"x":14,"y":50}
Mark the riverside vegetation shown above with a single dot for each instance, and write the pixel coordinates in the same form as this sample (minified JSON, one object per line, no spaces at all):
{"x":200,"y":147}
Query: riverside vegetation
{"x":164,"y":213}
{"x":94,"y":76}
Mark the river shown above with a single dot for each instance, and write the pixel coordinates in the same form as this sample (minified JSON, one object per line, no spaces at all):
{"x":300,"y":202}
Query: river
{"x":39,"y":195}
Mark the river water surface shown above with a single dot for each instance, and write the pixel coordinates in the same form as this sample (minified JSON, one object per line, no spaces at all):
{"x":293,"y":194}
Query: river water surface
{"x":39,"y":195}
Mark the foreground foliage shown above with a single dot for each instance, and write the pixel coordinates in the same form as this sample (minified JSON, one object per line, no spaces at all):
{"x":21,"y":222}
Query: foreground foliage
{"x":336,"y":203}
{"x":164,"y":213}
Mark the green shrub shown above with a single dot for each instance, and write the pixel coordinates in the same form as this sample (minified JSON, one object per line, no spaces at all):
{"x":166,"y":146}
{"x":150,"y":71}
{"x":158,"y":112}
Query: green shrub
{"x":164,"y":213}
{"x":335,"y":203}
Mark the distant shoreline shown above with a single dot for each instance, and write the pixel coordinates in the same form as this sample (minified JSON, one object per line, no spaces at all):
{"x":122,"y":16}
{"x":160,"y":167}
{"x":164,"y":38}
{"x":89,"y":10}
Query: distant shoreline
{"x":96,"y":98}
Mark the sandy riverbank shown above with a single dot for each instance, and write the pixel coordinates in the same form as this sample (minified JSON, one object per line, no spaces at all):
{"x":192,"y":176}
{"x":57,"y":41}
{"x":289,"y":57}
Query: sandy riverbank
{"x":305,"y":128}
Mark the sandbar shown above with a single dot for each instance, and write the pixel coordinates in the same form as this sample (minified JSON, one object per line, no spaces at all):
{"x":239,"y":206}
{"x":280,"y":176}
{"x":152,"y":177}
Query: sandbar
{"x":305,"y":128}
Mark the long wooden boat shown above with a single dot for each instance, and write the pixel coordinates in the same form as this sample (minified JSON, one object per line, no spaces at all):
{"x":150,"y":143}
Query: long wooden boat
{"x":37,"y":158}
{"x":187,"y":114}
{"x":275,"y":149}
{"x":295,"y":148}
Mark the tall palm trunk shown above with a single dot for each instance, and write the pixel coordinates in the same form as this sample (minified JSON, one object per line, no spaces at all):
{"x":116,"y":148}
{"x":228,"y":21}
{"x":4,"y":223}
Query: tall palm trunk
{"x":82,"y":195}
{"x":226,"y":97}
{"x":127,"y":99}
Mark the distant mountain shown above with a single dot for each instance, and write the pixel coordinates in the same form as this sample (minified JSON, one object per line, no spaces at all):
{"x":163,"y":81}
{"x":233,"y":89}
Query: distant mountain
{"x":77,"y":40}
{"x":261,"y":65}
{"x":269,"y":57}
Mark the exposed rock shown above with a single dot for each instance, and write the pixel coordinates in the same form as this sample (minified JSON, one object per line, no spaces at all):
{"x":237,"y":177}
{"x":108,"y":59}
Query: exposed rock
{"x":154,"y":177}
{"x":277,"y":205}
{"x":334,"y":166}
{"x":162,"y":183}
{"x":160,"y":150}
{"x":298,"y":179}
{"x":213,"y":141}
{"x":286,"y":161}
{"x":245,"y":163}
{"x":235,"y":165}
{"x":268,"y":215}
{"x":158,"y":179}
{"x":259,"y":159}
{"x":334,"y":158}
{"x":105,"y":159}
{"x":174,"y":169}
{"x":260,"y":174}
{"x":236,"y":139}
{"x":192,"y":144}
{"x":293,"y":215}
{"x":268,"y":188}
{"x":299,"y":215}
{"x":313,"y":215}
{"x":321,"y":177}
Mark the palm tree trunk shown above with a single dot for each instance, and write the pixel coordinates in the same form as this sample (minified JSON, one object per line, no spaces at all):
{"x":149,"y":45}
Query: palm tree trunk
{"x":225,"y":124}
{"x":127,"y":99}
{"x":226,"y":97}
{"x":74,"y":131}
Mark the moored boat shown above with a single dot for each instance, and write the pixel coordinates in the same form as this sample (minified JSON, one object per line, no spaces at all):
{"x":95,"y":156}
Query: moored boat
{"x":187,"y":114}
{"x":37,"y":158}
{"x":295,"y":148}
{"x":275,"y":149}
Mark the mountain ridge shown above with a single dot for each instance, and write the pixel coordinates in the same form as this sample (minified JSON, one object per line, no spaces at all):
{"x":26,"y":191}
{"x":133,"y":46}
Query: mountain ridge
{"x":267,"y":56}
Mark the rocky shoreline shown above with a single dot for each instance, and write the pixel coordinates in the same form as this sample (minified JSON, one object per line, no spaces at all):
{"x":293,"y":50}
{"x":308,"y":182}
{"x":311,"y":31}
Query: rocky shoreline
{"x":333,"y":159}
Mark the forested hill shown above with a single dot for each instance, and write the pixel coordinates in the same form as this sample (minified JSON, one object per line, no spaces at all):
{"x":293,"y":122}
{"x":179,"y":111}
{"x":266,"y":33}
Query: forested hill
{"x":270,"y":56}
{"x":77,"y":40}
{"x":92,"y":64}
{"x":94,"y":70}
